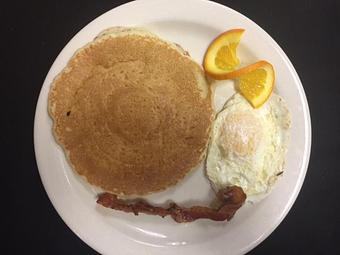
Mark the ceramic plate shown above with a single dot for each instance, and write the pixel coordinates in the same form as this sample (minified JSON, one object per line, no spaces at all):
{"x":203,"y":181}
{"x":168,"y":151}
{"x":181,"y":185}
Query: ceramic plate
{"x":192,"y":24}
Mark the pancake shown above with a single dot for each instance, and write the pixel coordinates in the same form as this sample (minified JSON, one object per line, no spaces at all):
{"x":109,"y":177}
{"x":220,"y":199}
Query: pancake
{"x":131,"y":111}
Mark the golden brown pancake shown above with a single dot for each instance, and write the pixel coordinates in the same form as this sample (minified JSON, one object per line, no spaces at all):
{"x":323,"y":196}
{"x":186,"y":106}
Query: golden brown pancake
{"x":132,"y":112}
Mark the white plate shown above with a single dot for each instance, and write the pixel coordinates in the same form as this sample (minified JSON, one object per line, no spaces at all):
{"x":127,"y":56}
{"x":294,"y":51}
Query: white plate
{"x":192,"y":24}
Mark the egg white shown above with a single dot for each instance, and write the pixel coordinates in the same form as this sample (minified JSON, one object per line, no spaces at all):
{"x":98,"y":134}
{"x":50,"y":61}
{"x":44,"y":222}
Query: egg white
{"x":248,"y":146}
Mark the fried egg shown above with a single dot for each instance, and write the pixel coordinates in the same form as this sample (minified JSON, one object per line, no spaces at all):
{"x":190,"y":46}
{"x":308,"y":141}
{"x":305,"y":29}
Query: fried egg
{"x":248,"y":146}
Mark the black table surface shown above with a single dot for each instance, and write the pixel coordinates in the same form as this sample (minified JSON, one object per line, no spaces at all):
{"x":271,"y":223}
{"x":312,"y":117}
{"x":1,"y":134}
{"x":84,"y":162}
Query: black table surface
{"x":34,"y":32}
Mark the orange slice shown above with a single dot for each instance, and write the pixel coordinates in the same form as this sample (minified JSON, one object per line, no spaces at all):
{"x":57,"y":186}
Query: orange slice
{"x":220,"y":58}
{"x":256,"y":82}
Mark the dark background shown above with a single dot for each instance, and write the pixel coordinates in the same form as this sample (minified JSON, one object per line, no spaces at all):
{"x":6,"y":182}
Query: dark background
{"x":34,"y":32}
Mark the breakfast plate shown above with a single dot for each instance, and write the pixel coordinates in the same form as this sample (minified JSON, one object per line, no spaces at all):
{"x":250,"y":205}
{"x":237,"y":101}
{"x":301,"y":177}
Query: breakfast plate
{"x":192,"y":24}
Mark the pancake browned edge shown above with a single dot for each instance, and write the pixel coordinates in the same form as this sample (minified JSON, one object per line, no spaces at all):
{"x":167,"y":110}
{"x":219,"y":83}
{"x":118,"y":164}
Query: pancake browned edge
{"x":132,"y":112}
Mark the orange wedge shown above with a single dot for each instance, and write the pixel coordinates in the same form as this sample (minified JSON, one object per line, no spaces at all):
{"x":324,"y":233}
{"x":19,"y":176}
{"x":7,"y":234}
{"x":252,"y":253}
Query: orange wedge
{"x":221,"y":58}
{"x":256,"y":82}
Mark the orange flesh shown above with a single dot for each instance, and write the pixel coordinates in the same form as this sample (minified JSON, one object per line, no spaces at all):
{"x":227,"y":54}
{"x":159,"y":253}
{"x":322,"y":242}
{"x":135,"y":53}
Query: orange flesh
{"x":226,"y":58}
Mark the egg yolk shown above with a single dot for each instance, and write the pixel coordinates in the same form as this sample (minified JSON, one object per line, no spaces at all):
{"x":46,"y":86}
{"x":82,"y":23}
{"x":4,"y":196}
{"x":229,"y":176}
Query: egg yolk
{"x":241,"y":134}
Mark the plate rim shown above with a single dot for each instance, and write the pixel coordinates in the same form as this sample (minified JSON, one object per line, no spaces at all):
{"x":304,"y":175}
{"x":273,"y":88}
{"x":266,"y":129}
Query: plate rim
{"x":307,"y":121}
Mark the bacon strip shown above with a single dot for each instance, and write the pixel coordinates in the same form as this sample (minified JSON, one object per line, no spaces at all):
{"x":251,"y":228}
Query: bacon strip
{"x":230,"y":199}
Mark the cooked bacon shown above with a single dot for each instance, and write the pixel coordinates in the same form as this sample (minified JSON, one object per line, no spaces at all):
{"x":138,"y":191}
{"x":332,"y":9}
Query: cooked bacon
{"x":230,"y":199}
